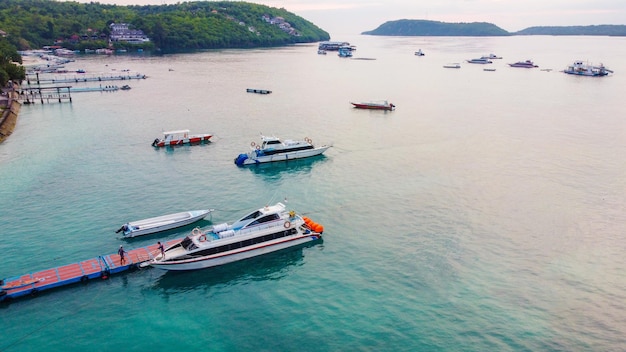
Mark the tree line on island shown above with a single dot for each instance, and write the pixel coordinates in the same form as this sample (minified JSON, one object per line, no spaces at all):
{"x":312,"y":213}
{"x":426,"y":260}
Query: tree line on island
{"x":33,"y":24}
{"x":407,"y":27}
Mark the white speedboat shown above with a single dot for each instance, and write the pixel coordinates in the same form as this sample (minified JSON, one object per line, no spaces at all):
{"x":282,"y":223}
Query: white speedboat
{"x":273,"y":149}
{"x":262,"y":231}
{"x":481,"y":61}
{"x":162,"y":223}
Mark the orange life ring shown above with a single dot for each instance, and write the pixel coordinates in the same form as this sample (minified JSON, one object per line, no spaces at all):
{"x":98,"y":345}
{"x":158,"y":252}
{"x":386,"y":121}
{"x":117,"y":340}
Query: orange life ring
{"x":258,"y":147}
{"x":252,"y":144}
{"x":287,"y":224}
{"x":196,"y":231}
{"x":202,"y":238}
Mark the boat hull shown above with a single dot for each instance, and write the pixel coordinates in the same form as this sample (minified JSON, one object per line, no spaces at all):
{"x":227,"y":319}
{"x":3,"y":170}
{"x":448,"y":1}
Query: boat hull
{"x":164,"y":223}
{"x":252,"y":158}
{"x":233,"y":256}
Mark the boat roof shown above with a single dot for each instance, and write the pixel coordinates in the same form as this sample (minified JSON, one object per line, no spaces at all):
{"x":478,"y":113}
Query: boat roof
{"x":176,"y":132}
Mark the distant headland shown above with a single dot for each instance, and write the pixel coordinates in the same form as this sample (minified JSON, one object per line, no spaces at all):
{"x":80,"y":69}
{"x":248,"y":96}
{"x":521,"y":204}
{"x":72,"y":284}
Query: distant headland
{"x":483,"y":29}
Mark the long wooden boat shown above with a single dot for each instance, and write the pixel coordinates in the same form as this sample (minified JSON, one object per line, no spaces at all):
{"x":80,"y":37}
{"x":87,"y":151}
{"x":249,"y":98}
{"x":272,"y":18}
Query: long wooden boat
{"x":385,"y":105}
{"x":162,"y":223}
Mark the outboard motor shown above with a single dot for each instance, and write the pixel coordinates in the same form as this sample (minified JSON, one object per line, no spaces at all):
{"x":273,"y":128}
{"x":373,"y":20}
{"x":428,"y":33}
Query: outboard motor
{"x":240,"y":159}
{"x":155,"y":142}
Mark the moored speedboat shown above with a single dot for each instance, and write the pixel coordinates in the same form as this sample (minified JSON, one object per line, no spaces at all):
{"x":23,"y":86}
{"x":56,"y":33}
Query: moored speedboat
{"x":179,"y":137}
{"x":452,"y":65}
{"x":481,"y":61}
{"x":384,"y":105}
{"x":419,"y":53}
{"x":524,"y":64}
{"x":262,"y":231}
{"x":581,"y":69}
{"x":162,"y":223}
{"x":273,"y":149}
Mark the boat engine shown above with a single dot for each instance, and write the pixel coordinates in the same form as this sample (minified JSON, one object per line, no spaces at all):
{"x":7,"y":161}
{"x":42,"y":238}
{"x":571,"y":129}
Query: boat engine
{"x":155,"y":142}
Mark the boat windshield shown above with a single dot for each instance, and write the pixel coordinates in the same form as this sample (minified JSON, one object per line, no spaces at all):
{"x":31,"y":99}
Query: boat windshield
{"x":188,"y":244}
{"x":264,"y":219}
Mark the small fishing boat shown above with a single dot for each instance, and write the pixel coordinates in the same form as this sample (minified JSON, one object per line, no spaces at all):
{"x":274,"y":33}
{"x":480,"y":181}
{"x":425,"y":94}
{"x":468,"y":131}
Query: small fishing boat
{"x":259,"y":232}
{"x":524,"y":64}
{"x":162,"y":223}
{"x":489,"y":69}
{"x":582,"y":69}
{"x":419,"y":53}
{"x":383,"y":105}
{"x":453,"y":65}
{"x":273,"y":149}
{"x":180,"y":137}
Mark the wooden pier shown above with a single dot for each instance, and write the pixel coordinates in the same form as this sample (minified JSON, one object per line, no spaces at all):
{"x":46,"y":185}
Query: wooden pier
{"x":101,"y":267}
{"x":36,"y":80}
{"x":30,"y":95}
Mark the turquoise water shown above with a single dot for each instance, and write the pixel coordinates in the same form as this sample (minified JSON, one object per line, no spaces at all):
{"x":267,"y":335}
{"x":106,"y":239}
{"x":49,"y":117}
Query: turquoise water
{"x":485,"y":213}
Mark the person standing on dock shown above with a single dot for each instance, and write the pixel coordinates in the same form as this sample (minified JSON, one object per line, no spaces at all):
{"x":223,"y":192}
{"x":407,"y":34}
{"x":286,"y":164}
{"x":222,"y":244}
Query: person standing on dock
{"x":161,"y":249}
{"x":121,"y":252}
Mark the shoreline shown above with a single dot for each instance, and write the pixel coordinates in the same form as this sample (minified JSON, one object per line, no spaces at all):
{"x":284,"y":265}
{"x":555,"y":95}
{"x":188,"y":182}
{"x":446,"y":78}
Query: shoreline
{"x":10,"y":110}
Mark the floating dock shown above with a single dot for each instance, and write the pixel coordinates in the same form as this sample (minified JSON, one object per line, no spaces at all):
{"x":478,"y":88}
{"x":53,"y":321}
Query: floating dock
{"x":100,"y":267}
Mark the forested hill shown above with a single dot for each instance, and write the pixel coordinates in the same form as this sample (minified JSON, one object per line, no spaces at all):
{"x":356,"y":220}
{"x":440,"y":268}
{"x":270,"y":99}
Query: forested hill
{"x":607,"y":29}
{"x":435,"y":28}
{"x":31,"y":24}
{"x":478,"y":29}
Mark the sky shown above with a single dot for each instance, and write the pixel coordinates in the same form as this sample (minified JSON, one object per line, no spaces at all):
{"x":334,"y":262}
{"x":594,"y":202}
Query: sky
{"x":339,"y":17}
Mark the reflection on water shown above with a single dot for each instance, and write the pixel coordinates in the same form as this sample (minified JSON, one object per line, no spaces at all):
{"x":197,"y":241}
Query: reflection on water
{"x":277,"y":170}
{"x":272,"y":266}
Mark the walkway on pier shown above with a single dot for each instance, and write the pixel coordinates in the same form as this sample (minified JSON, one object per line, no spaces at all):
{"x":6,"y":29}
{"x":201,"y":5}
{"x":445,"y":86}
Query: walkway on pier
{"x":100,"y":267}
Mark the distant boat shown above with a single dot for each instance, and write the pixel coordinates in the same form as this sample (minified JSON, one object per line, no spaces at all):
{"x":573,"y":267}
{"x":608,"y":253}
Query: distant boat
{"x":491,"y":57}
{"x":259,"y":91}
{"x":321,"y":52}
{"x":345,"y":51}
{"x":419,"y":53}
{"x":581,"y":69}
{"x":489,"y":69}
{"x":524,"y":64}
{"x":481,"y":61}
{"x":453,"y":65}
{"x":384,"y":105}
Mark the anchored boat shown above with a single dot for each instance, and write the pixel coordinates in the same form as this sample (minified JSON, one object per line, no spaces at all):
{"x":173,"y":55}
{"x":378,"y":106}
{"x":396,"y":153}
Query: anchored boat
{"x":180,"y":137}
{"x":162,"y":223}
{"x":384,"y":105}
{"x":273,"y":149}
{"x":262,"y":231}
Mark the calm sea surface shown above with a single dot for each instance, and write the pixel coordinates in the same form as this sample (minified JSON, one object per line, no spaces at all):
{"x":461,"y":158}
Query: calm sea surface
{"x":487,"y":213}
